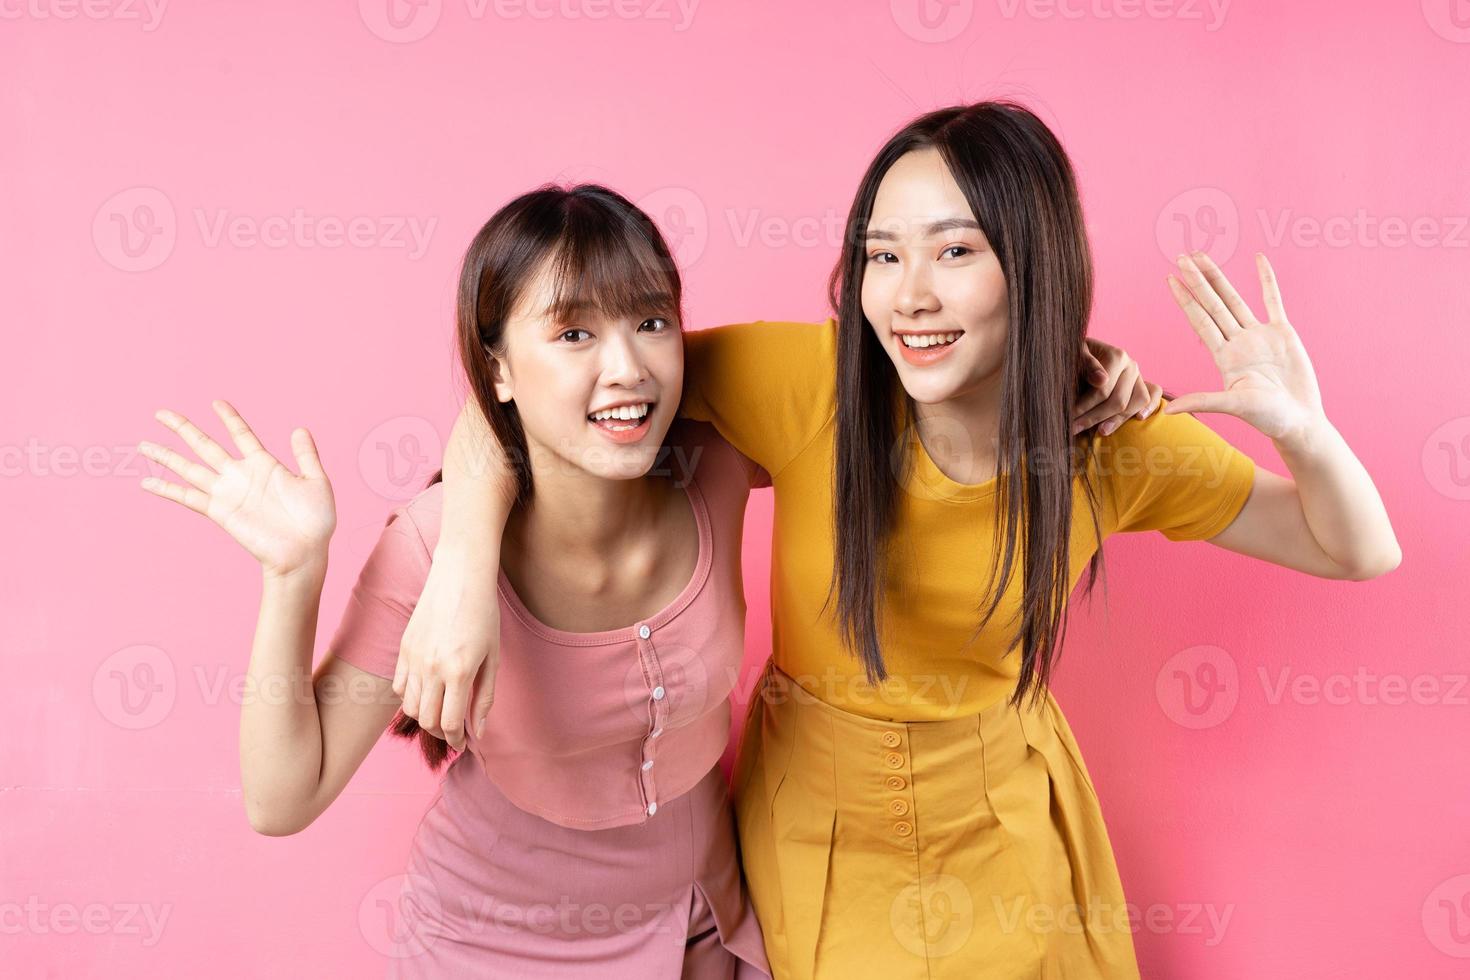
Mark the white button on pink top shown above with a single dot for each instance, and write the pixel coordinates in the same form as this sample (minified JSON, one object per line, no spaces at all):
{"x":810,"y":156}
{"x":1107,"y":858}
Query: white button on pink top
{"x":658,"y":693}
{"x":644,"y":631}
{"x":652,"y":809}
{"x":648,"y":765}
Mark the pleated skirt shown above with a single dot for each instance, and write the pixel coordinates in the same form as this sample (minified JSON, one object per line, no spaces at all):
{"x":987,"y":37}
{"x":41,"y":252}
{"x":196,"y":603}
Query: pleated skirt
{"x":970,"y":848}
{"x":493,"y":891}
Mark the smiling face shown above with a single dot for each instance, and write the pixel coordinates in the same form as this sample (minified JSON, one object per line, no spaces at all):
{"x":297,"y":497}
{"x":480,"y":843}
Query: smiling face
{"x":933,"y":290}
{"x":568,"y":367}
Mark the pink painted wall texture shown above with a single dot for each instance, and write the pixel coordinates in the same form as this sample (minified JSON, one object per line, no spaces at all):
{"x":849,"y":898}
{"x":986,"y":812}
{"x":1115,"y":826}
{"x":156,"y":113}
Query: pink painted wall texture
{"x":267,"y":202}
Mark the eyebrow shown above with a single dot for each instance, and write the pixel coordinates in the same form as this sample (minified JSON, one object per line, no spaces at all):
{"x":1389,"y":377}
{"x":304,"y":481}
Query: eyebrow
{"x":576,"y":309}
{"x":943,"y":224}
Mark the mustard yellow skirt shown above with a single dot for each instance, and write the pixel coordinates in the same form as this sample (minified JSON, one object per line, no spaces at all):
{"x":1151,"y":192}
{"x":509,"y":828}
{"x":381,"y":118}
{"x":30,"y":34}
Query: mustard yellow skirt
{"x":970,"y":848}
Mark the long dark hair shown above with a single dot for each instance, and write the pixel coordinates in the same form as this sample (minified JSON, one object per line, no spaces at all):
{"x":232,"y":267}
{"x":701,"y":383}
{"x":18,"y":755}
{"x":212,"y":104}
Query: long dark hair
{"x":606,"y":255}
{"x":1020,"y":186}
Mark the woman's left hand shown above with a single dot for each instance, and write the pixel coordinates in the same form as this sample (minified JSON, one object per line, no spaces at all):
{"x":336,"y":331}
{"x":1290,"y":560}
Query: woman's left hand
{"x":1115,"y":392}
{"x":1266,"y":378}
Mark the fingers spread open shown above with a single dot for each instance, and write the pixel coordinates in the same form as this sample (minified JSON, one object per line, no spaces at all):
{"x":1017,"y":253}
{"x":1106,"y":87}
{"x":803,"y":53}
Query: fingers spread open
{"x":206,"y":448}
{"x":245,"y":440}
{"x":1208,"y":299}
{"x":195,"y":500}
{"x":1204,"y":326}
{"x":307,"y":458}
{"x":1217,"y":279}
{"x":1269,"y":288}
{"x":197,"y":474}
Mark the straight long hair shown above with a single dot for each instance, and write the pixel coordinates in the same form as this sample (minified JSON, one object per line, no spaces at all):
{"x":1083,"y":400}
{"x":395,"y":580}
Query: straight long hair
{"x":1019,"y":183}
{"x":606,"y":255}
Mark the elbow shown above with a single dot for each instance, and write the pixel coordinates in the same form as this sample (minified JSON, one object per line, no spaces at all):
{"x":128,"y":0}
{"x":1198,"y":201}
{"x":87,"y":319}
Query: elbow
{"x":270,"y":823}
{"x":1376,"y":566}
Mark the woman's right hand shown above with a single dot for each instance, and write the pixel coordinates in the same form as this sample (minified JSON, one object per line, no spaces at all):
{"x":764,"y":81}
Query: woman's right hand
{"x":285,"y":521}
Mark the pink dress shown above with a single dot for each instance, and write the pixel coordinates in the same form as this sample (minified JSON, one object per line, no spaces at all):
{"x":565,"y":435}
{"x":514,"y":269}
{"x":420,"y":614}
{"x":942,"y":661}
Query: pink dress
{"x":588,"y":833}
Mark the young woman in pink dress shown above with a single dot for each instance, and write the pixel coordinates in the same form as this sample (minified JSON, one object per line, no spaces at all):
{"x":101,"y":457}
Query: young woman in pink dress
{"x":586,"y":830}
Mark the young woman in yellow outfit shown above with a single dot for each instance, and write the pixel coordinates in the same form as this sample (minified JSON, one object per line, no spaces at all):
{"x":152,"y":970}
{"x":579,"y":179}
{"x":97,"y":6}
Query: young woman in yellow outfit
{"x":911,"y":801}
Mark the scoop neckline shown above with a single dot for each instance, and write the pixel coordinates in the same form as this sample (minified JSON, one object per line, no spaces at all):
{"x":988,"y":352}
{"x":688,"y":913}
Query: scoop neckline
{"x":928,"y":480}
{"x":629,"y":632}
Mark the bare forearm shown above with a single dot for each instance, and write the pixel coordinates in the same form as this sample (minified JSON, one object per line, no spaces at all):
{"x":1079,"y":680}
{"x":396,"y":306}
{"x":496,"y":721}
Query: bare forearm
{"x":280,"y":727}
{"x":1339,"y":501}
{"x":477,"y":478}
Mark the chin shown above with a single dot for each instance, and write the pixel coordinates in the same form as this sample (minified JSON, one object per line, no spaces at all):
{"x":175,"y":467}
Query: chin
{"x":928,"y":387}
{"x":622,"y":463}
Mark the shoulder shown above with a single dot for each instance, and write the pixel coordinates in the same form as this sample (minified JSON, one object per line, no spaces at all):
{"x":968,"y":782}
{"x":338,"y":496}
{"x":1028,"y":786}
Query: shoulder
{"x":768,"y":386}
{"x":1161,"y":446}
{"x":1171,"y":473}
{"x":696,"y":451}
{"x":418,"y":518}
{"x":767,"y":336}
{"x":793,"y":355}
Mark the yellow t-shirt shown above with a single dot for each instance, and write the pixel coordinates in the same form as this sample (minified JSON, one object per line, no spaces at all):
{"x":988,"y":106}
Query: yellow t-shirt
{"x":770,"y":389}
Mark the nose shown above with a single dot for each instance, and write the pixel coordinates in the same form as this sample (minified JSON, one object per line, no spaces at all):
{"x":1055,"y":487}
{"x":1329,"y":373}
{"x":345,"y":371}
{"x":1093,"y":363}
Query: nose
{"x":622,"y":361}
{"x":915,"y":291}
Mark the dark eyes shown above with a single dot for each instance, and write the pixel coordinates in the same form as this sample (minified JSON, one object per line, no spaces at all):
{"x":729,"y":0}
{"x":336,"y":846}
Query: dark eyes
{"x":660,"y":326}
{"x":877,"y":257}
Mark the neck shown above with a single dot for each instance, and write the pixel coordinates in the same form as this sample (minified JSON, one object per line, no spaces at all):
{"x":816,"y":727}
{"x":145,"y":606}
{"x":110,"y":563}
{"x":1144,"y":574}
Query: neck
{"x":577,"y":515}
{"x":961,"y":434}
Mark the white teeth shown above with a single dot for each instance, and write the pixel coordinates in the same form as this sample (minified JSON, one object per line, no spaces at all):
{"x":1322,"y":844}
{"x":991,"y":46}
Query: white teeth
{"x":626,"y":412}
{"x":928,"y":340}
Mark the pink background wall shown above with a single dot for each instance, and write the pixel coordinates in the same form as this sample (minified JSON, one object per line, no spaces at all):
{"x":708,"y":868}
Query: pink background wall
{"x":1305,"y":818}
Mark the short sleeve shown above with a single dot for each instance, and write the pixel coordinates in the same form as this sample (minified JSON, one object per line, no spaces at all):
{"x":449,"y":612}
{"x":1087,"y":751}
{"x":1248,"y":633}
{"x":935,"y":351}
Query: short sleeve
{"x":382,"y":600}
{"x":1173,"y":474}
{"x":768,"y":387}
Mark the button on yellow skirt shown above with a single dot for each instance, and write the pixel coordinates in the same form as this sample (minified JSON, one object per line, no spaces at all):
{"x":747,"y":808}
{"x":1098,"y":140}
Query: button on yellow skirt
{"x":970,"y":848}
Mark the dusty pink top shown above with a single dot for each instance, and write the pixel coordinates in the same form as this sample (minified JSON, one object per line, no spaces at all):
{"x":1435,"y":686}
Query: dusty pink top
{"x":591,"y":730}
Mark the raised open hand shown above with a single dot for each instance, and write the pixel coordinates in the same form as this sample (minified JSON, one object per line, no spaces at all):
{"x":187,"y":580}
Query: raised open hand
{"x":285,"y":521}
{"x":1266,"y":378}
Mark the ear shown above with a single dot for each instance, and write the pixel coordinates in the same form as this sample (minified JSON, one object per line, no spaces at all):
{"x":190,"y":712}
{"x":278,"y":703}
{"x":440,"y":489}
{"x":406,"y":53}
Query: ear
{"x":500,"y":377}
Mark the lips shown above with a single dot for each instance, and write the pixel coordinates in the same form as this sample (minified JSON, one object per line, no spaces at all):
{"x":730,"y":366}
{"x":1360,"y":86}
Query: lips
{"x":619,"y":425}
{"x":923,"y":356}
{"x":922,"y":341}
{"x":623,"y":430}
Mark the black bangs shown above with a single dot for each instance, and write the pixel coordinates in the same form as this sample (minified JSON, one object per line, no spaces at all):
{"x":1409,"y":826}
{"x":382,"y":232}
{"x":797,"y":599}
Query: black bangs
{"x":612,"y":263}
